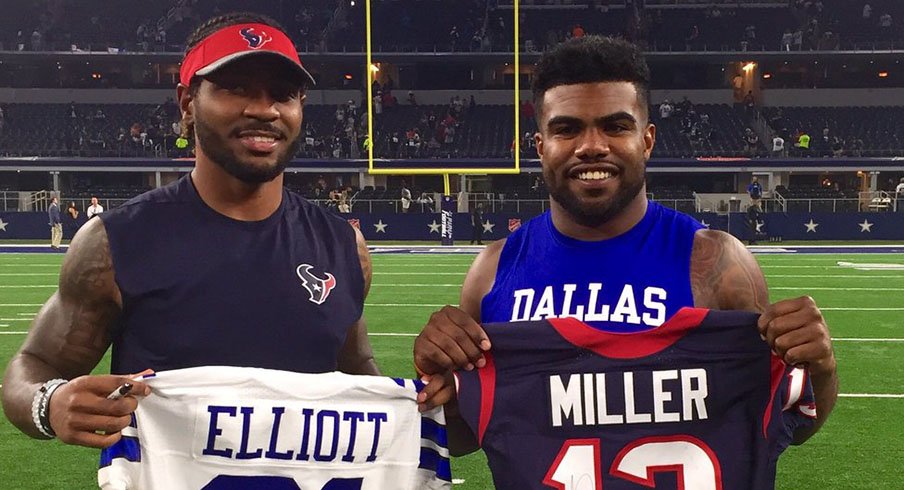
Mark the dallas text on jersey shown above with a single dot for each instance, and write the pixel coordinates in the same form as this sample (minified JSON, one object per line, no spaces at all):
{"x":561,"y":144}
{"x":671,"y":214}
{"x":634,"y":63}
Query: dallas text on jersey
{"x":611,"y":398}
{"x":528,"y":307}
{"x":279,"y":431}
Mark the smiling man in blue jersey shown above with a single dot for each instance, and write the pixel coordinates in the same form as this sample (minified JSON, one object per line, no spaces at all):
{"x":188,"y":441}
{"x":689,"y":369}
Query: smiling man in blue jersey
{"x":604,"y":254}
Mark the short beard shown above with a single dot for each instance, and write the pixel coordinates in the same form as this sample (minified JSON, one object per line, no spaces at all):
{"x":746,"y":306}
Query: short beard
{"x":216,"y":149}
{"x":595,"y":216}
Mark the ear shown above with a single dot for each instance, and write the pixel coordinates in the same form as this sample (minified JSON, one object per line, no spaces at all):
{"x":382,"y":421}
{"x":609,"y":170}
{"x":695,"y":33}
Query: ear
{"x":183,"y":93}
{"x":538,"y":142}
{"x":649,"y":140}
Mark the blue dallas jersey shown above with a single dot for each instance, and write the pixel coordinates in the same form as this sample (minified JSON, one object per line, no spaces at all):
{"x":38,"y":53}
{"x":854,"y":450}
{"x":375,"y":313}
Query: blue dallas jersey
{"x":629,"y":283}
{"x":698,"y":403}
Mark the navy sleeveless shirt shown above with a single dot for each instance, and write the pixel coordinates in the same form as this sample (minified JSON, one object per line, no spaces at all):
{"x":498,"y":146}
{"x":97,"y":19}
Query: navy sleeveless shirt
{"x":629,"y":283}
{"x":200,"y":289}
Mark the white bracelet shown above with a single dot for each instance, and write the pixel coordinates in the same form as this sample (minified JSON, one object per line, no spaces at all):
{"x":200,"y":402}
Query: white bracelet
{"x":40,"y":406}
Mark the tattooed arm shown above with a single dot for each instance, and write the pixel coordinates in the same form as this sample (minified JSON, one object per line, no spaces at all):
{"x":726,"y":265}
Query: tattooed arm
{"x":67,"y":339}
{"x":357,"y":356}
{"x":725,"y":276}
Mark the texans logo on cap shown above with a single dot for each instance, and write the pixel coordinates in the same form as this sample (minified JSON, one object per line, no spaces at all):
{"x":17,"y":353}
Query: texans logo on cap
{"x":255,"y":40}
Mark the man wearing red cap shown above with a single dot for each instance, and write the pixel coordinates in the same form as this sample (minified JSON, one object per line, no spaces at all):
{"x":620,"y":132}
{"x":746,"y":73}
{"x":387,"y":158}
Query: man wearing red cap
{"x":222,"y":267}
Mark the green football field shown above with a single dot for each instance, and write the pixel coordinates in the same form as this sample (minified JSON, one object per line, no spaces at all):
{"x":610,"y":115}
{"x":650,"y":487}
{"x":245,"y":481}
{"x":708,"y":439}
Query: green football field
{"x":862,"y":445}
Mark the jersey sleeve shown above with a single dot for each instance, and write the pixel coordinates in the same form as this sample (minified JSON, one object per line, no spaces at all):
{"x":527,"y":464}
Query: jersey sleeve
{"x":799,"y":401}
{"x":120,"y":464}
{"x":476,"y":393}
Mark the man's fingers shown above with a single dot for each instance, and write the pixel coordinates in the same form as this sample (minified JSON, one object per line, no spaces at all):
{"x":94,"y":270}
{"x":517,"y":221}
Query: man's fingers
{"x":92,"y":439}
{"x":469,"y":326}
{"x":102,"y":423}
{"x":779,"y":326}
{"x":429,"y":358}
{"x":784,"y":307}
{"x":785,"y":342}
{"x":438,"y":392}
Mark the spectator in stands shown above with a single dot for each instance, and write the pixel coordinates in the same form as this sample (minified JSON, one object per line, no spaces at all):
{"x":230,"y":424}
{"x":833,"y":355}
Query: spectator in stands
{"x":803,"y":143}
{"x":2,"y":120}
{"x":751,"y":140}
{"x":405,"y":197}
{"x":885,"y":27}
{"x":426,"y":202}
{"x":72,"y":211}
{"x":856,"y":147}
{"x":787,"y":40}
{"x":693,"y":35}
{"x":94,"y":209}
{"x":56,"y":224}
{"x":755,"y":190}
{"x":778,"y":146}
{"x":666,"y":109}
{"x":837,"y":146}
{"x":577,"y":31}
{"x":798,"y":39}
{"x":37,"y":43}
{"x":899,"y":192}
{"x":411,"y":98}
{"x":477,"y":225}
{"x":750,"y":105}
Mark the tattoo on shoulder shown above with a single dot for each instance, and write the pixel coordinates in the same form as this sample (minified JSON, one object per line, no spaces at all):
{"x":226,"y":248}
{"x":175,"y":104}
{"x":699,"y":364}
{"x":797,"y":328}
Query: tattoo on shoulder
{"x":724,"y":275}
{"x":89,"y":300}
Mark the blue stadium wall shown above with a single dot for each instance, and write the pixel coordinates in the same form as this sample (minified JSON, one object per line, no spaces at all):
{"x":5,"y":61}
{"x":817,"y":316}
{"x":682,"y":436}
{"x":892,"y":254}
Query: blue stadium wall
{"x":789,"y":226}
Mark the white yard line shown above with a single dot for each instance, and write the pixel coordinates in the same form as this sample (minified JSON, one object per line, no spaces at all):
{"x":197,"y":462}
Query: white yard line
{"x":871,"y":395}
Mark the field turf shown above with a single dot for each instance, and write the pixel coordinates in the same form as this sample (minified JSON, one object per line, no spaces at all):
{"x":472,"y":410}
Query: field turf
{"x":861,"y":446}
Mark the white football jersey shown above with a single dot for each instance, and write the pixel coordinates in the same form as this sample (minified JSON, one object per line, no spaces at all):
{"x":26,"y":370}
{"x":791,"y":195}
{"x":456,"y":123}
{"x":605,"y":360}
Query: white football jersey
{"x":218,"y":428}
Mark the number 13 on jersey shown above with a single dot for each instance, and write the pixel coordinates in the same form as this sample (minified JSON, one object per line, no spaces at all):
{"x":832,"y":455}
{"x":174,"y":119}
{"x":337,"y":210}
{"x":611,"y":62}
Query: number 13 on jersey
{"x":578,"y":464}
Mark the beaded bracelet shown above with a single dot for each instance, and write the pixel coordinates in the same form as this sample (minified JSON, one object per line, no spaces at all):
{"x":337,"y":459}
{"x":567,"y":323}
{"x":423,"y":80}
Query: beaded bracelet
{"x":40,"y":406}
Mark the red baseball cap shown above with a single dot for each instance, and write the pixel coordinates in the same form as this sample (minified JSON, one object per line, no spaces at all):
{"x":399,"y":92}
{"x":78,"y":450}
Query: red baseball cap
{"x":238,"y":41}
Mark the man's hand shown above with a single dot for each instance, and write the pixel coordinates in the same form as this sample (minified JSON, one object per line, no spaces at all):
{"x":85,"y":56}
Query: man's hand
{"x":79,"y":410}
{"x":797,"y":332}
{"x":451,"y":340}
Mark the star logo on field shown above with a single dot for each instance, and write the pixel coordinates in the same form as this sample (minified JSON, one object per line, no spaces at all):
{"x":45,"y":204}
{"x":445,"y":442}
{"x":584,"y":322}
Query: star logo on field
{"x":434,"y":227}
{"x":380,"y":226}
{"x":488,"y":227}
{"x":811,"y":226}
{"x":3,"y":225}
{"x":704,"y":223}
{"x":866,"y":226}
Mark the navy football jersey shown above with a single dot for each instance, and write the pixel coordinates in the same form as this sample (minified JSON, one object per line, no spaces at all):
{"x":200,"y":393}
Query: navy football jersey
{"x":697,"y":403}
{"x":201,"y":289}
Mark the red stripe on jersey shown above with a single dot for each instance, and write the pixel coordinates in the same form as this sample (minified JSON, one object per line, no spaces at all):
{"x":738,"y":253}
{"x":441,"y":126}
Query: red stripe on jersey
{"x":487,"y":376}
{"x":630,"y":345}
{"x":778,"y":372}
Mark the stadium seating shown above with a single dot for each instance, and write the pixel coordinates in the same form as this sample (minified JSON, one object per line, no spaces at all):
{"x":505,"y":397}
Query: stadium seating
{"x":879,"y":128}
{"x":486,"y":131}
{"x":318,"y":25}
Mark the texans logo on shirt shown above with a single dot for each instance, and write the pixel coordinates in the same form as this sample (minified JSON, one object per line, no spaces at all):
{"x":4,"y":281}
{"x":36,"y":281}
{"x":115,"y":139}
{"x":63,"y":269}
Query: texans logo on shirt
{"x":318,"y":288}
{"x":255,"y":40}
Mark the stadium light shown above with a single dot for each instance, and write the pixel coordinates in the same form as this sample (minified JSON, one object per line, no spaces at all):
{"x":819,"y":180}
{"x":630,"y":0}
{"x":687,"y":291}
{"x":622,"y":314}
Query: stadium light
{"x":374,"y":67}
{"x":883,"y":74}
{"x":767,"y":76}
{"x":749,"y":66}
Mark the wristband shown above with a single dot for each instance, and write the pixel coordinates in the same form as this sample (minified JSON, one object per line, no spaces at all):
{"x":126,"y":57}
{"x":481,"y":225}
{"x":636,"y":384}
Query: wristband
{"x":40,"y":406}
